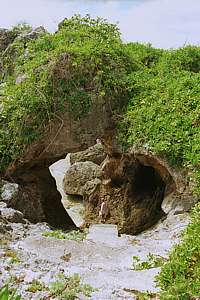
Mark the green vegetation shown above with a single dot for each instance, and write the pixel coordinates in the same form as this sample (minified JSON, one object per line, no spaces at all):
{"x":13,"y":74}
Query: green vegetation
{"x":163,"y":114}
{"x":8,"y":294}
{"x":153,"y":261}
{"x":35,"y":286}
{"x":14,"y":259}
{"x":83,"y":63}
{"x":75,"y":235}
{"x":68,"y":287}
{"x":155,"y":93}
{"x":180,"y":277}
{"x":143,"y":295}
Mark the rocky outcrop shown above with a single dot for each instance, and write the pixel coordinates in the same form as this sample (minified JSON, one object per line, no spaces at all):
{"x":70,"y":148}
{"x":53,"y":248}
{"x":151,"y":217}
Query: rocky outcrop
{"x":12,"y":215}
{"x":39,"y":199}
{"x":82,"y":178}
{"x":95,"y":154}
{"x":6,"y":38}
{"x":134,"y":185}
{"x":9,"y":51}
{"x":31,"y":34}
{"x":8,"y":216}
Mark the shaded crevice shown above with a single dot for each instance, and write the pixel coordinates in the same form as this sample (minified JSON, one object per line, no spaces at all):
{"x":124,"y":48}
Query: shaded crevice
{"x":38,"y":198}
{"x":147,"y":183}
{"x":143,"y":199}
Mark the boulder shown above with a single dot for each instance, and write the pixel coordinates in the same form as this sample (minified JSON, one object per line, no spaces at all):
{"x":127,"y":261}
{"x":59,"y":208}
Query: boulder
{"x":95,"y":153}
{"x":9,"y":191}
{"x":81,"y":178}
{"x":12,"y":215}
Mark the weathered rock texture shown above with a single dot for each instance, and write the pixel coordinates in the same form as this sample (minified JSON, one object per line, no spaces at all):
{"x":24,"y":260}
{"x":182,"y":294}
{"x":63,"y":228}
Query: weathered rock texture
{"x":9,"y":191}
{"x":95,"y":153}
{"x":82,"y":178}
{"x":6,"y":38}
{"x":135,"y":185}
{"x":8,"y":50}
{"x":39,"y":199}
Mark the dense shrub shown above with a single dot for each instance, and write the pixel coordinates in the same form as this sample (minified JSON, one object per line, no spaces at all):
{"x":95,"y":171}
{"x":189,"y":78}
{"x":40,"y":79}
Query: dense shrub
{"x":64,"y":71}
{"x":164,"y":112}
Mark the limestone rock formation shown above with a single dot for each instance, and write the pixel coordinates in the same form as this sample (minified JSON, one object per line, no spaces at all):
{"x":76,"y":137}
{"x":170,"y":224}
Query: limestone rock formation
{"x":95,"y":153}
{"x":31,"y":34}
{"x":82,"y":178}
{"x":7,"y":216}
{"x":8,"y":49}
{"x":135,"y":185}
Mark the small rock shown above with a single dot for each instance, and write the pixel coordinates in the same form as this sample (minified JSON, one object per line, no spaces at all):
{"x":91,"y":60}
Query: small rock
{"x":9,"y":191}
{"x":12,"y":215}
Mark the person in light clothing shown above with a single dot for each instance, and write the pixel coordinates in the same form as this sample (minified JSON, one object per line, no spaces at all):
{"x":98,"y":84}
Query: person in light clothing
{"x":104,"y":210}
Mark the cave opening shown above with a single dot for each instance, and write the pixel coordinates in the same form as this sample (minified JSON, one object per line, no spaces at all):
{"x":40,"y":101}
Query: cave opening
{"x":147,"y":182}
{"x":38,"y":198}
{"x":144,"y":195}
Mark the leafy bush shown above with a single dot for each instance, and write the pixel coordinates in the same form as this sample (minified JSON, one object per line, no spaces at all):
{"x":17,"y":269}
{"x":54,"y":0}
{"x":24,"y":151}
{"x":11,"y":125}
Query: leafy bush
{"x":7,"y":294}
{"x":180,"y":277}
{"x":82,"y":63}
{"x":163,"y":114}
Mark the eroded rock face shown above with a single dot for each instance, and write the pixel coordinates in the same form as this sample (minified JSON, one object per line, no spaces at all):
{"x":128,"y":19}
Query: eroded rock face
{"x":38,"y":197}
{"x":135,"y":192}
{"x":7,"y":216}
{"x":95,"y":154}
{"x":82,"y":178}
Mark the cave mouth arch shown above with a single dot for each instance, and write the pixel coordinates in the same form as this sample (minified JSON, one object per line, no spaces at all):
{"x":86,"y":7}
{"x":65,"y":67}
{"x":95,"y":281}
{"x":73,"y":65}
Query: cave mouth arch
{"x":150,"y":180}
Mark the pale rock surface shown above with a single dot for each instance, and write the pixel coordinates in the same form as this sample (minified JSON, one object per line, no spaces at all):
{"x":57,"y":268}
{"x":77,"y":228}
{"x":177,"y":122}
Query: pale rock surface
{"x":11,"y":215}
{"x":73,"y":206}
{"x":103,"y":260}
{"x":9,"y":191}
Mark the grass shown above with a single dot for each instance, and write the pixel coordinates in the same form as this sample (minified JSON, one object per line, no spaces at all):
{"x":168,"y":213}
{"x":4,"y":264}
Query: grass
{"x":75,"y":235}
{"x":68,"y":287}
{"x":6,"y":293}
{"x":153,"y":261}
{"x":35,"y":286}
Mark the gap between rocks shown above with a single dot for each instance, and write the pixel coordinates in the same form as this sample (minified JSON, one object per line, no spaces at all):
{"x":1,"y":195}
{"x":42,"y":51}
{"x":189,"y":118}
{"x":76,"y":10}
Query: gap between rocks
{"x":136,"y":185}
